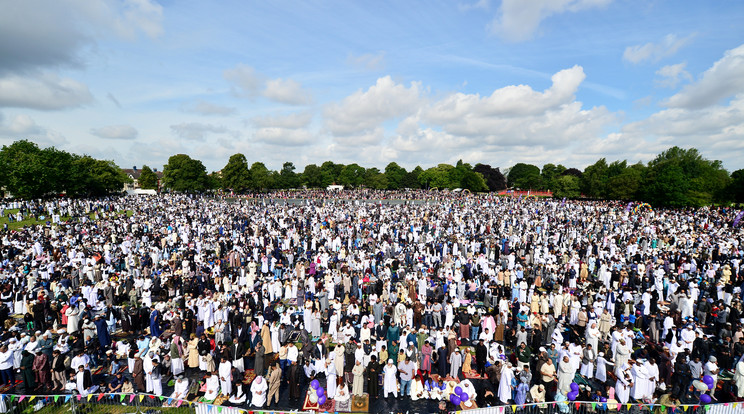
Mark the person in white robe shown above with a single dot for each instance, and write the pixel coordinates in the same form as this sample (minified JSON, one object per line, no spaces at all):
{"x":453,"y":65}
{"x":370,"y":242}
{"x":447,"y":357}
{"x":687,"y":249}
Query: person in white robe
{"x":592,"y":335}
{"x":156,"y":378}
{"x":623,"y":384}
{"x":622,"y":354}
{"x":240,"y":397}
{"x":330,"y":371}
{"x":641,"y":384}
{"x":418,"y":391}
{"x":602,"y":363}
{"x":390,"y":382}
{"x":739,"y":378}
{"x":566,"y":374}
{"x":258,"y":389}
{"x":505,"y":383}
{"x":653,"y":375}
{"x":225,"y":374}
{"x":180,"y":388}
{"x":148,"y":366}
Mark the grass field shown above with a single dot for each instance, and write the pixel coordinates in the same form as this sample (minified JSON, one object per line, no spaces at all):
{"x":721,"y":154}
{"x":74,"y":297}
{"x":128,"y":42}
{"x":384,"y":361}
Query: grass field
{"x":29,"y":221}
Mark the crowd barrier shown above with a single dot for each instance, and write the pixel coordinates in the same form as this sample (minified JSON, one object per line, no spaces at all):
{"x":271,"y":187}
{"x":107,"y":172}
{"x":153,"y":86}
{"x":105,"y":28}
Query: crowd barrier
{"x":117,"y":403}
{"x":576,"y":407}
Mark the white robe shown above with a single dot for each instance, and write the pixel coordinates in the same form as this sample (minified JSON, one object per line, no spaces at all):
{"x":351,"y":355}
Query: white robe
{"x":507,"y":375}
{"x":622,"y":389}
{"x":224,"y":372}
{"x":739,"y":378}
{"x":256,"y":388}
{"x":390,"y":383}
{"x":601,"y":373}
{"x":213,"y":388}
{"x":641,"y":384}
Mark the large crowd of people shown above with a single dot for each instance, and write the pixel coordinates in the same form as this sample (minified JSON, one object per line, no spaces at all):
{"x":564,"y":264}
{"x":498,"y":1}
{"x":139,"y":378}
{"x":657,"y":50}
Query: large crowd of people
{"x":488,"y":300}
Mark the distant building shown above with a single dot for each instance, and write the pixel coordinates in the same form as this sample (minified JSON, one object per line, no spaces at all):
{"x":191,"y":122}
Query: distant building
{"x":134,"y":174}
{"x":334,"y":187}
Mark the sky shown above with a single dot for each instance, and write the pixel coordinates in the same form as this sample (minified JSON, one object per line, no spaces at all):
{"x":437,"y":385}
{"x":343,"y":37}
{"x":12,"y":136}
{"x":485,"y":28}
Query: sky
{"x":415,"y":82}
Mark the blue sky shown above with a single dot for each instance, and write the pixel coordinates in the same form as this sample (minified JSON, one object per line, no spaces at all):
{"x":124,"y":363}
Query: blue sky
{"x":416,"y":82}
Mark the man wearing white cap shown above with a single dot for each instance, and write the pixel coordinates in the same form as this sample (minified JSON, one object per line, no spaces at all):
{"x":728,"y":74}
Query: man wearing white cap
{"x":390,"y":384}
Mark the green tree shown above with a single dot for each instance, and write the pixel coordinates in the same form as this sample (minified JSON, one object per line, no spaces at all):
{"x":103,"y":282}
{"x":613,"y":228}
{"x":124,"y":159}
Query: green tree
{"x":524,"y":176}
{"x":438,"y":177}
{"x":287,"y":177}
{"x":411,"y":180}
{"x":312,"y":176}
{"x":351,"y":175}
{"x":549,"y":174}
{"x":184,"y":174}
{"x":594,"y":180}
{"x":235,"y":174}
{"x":395,"y":175}
{"x":567,"y":186}
{"x":261,"y":178}
{"x":148,"y":180}
{"x":24,"y":170}
{"x":97,"y":177}
{"x":625,"y":186}
{"x":330,"y":172}
{"x":736,"y":188}
{"x":473,"y":181}
{"x":373,"y":178}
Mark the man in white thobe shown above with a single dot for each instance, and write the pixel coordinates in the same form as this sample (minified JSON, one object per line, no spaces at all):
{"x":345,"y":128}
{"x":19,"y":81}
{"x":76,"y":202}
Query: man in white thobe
{"x":390,"y":383}
{"x":258,"y":389}
{"x":640,"y":380}
{"x":566,"y":374}
{"x":225,"y":371}
{"x":505,"y":383}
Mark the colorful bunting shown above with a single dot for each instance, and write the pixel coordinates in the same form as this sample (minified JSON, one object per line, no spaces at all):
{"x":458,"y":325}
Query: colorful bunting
{"x":23,"y":397}
{"x":178,"y":404}
{"x":142,"y":397}
{"x":100,"y":397}
{"x":131,"y":398}
{"x":68,"y":398}
{"x":123,"y":397}
{"x":89,"y":397}
{"x":514,"y":408}
{"x":32,"y":398}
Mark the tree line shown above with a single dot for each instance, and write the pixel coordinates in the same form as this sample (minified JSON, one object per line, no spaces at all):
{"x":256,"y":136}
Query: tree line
{"x":675,"y":178}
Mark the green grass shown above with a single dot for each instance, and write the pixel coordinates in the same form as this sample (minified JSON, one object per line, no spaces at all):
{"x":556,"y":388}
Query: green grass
{"x":28,"y":221}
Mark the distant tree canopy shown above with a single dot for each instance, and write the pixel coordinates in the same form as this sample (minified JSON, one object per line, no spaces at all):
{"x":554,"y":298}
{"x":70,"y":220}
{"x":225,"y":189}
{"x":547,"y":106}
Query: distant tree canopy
{"x":27,"y":171}
{"x":675,"y":178}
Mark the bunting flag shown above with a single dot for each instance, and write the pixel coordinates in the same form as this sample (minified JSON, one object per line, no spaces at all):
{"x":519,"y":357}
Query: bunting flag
{"x":594,"y":406}
{"x":23,"y":397}
{"x":12,"y":397}
{"x":142,"y":397}
{"x":56,"y":397}
{"x":162,"y":398}
{"x":618,"y":406}
{"x":628,"y":406}
{"x":32,"y":398}
{"x":80,"y":397}
{"x":131,"y":398}
{"x":578,"y":404}
{"x":170,"y":400}
{"x":663,"y":407}
{"x":735,"y":404}
{"x":178,"y":404}
{"x":514,"y":408}
{"x":685,"y":407}
{"x":90,"y":396}
{"x":100,"y":397}
{"x":123,"y":397}
{"x":707,"y":407}
{"x":68,"y":398}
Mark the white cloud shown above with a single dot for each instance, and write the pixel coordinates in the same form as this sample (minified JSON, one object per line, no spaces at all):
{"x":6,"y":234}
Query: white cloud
{"x":368,"y":61}
{"x":654,"y":52}
{"x":207,"y":108}
{"x":124,"y":132}
{"x":248,"y":83}
{"x":518,"y":20}
{"x":672,"y":75}
{"x":36,"y":34}
{"x":196,"y":131}
{"x":365,"y":110}
{"x":292,"y":121}
{"x":284,"y":136}
{"x":45,"y":91}
{"x":723,"y":80}
{"x":20,"y":126}
{"x":286,"y":91}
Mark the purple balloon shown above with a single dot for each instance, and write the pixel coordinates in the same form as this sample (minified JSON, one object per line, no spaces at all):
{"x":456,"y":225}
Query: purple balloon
{"x":315,"y":384}
{"x":464,"y":396}
{"x":458,"y":390}
{"x":454,"y":399}
{"x":603,"y":399}
{"x":572,"y":395}
{"x":320,"y":391}
{"x":322,"y":399}
{"x":574,"y":386}
{"x":708,"y":380}
{"x":705,"y":398}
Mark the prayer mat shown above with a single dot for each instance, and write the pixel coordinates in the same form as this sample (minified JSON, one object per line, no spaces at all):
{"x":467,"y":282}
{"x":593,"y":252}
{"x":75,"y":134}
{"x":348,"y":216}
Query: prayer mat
{"x":329,"y":406}
{"x":473,"y":375}
{"x":473,"y":406}
{"x":220,"y":400}
{"x":343,"y":406}
{"x":360,"y":403}
{"x":249,"y":376}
